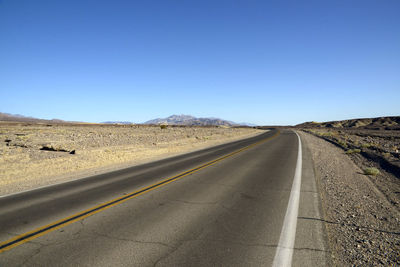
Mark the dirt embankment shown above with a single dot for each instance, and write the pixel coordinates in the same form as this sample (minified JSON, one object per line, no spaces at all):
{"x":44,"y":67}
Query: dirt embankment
{"x":36,"y":155}
{"x":371,"y":149}
{"x":361,"y":212}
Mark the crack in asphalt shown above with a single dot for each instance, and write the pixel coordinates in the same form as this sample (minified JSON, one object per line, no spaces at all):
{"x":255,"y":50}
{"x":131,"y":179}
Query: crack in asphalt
{"x":132,"y":240}
{"x":28,"y":258}
{"x":244,"y":244}
{"x":220,"y":184}
{"x":193,"y":202}
{"x":175,"y":248}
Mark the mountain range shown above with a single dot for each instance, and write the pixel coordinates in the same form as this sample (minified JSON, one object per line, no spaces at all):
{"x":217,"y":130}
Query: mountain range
{"x":379,"y":123}
{"x":190,"y":120}
{"x":171,"y":120}
{"x":21,"y":118}
{"x":118,"y":122}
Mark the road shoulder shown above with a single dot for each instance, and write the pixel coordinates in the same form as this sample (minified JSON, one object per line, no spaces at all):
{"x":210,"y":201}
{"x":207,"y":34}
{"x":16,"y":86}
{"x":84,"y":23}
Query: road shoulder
{"x":311,"y":246}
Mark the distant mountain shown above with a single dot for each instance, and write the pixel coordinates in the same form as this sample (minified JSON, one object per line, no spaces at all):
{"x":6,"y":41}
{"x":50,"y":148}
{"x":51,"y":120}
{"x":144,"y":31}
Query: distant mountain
{"x":117,"y":122}
{"x":190,"y":120}
{"x":21,"y":118}
{"x":380,"y":123}
{"x":171,"y":120}
{"x":247,"y":124}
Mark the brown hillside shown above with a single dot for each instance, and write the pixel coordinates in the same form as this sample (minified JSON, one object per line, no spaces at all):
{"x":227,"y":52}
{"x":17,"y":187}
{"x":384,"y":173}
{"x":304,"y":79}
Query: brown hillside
{"x":380,"y":123}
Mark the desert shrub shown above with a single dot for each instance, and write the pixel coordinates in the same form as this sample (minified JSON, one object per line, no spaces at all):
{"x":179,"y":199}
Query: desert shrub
{"x":351,"y":151}
{"x":366,"y":145}
{"x":342,"y":143}
{"x":326,"y":134}
{"x":323,"y":134}
{"x":371,"y":171}
{"x":163,"y":126}
{"x":331,"y":134}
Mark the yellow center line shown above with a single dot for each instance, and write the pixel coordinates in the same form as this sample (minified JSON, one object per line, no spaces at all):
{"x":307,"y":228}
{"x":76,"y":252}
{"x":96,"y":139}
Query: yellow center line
{"x":23,"y":238}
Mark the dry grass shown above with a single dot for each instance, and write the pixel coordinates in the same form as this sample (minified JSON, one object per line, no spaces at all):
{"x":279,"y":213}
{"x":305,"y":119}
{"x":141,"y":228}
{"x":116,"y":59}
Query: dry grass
{"x":352,"y":151}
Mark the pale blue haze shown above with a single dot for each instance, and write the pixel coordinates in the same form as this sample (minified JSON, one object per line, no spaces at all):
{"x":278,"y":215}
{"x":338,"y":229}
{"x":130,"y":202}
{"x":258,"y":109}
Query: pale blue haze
{"x":263,"y":62}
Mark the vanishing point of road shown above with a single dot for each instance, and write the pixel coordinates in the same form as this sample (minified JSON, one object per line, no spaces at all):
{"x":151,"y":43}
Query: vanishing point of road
{"x":252,"y":202}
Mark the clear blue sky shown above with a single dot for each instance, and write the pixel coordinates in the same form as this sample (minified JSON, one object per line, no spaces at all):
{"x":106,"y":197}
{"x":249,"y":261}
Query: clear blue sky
{"x":264,"y":62}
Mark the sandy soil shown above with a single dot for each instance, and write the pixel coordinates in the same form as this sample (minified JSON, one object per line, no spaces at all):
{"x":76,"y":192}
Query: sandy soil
{"x":36,"y":155}
{"x":362,"y":224}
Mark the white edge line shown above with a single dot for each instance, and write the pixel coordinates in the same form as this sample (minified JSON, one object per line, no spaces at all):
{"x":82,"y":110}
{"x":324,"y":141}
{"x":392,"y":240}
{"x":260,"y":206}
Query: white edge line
{"x":284,"y":250}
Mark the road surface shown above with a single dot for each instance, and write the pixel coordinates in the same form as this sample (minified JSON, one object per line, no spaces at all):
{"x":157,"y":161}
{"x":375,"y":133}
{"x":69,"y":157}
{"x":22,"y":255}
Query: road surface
{"x":230,"y":205}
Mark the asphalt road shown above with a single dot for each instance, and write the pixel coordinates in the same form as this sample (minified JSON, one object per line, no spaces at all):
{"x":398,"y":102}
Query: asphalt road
{"x":222,"y":206}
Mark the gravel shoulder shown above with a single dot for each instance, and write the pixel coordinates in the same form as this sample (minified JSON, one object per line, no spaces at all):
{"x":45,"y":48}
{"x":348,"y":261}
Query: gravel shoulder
{"x":362,"y":223}
{"x":37,"y":155}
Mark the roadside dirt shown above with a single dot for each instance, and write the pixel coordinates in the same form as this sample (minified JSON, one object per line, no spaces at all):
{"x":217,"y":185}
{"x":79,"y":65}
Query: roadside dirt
{"x":36,"y":155}
{"x":362,"y":222}
{"x":371,"y":148}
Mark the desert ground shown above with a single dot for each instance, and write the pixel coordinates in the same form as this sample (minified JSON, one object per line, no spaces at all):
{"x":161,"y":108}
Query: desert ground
{"x":361,"y":211}
{"x":34,"y":155}
{"x":377,"y":149}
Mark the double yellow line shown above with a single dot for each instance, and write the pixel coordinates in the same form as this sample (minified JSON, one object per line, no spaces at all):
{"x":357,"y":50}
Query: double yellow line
{"x":21,"y":239}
